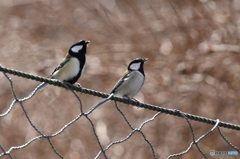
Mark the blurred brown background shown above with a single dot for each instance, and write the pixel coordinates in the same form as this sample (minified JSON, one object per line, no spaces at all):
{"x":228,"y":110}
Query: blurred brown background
{"x":189,"y":69}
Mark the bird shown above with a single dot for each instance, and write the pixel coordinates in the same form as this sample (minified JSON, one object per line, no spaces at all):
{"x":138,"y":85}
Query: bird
{"x":130,"y":83}
{"x":72,"y":66}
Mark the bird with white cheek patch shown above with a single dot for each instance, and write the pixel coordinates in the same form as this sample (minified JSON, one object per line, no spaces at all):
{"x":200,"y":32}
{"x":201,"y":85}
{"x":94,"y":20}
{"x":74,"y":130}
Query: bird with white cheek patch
{"x":130,"y":83}
{"x":72,"y":66}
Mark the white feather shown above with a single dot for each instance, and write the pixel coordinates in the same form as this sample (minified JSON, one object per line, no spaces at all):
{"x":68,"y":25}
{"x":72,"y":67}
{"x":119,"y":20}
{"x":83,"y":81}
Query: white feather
{"x":135,"y":66}
{"x":68,"y":71}
{"x":76,"y":48}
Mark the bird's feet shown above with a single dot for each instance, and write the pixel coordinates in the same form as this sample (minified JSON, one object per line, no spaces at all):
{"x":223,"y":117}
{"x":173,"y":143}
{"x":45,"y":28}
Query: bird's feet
{"x":136,"y":101}
{"x":67,"y":84}
{"x":129,"y":99}
{"x":79,"y":86}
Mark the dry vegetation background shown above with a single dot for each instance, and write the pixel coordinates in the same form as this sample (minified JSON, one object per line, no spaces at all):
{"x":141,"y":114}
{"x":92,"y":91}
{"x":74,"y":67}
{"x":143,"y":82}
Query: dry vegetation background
{"x":186,"y":70}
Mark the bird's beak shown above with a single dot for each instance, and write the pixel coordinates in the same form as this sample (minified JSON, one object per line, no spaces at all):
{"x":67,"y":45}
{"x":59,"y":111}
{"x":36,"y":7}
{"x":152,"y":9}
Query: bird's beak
{"x":86,"y":42}
{"x":144,"y":60}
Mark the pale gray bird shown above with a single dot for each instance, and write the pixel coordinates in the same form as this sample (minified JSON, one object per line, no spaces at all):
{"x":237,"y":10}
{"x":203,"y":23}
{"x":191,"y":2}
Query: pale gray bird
{"x":130,"y":83}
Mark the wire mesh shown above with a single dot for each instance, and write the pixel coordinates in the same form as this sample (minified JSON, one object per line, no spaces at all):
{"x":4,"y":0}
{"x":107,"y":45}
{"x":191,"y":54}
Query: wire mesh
{"x":193,"y":67}
{"x":87,"y":114}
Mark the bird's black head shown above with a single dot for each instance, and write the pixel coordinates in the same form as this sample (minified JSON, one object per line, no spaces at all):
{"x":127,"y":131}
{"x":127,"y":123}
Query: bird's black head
{"x":137,"y":65}
{"x":78,"y":49}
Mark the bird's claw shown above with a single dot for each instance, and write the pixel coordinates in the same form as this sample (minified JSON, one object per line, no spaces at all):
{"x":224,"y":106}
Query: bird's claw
{"x":67,"y":84}
{"x":136,"y":101}
{"x":129,"y":99}
{"x":79,"y":86}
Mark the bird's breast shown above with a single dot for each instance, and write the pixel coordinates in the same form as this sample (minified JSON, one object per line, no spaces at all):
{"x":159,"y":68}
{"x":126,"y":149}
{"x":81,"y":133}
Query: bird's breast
{"x":131,"y":86}
{"x":68,"y":71}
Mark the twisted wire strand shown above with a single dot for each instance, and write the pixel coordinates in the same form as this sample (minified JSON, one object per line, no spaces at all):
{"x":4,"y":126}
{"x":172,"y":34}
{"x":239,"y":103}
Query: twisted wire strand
{"x":118,"y":99}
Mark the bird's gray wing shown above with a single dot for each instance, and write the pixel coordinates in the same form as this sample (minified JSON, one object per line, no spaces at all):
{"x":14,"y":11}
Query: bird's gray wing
{"x":125,"y":76}
{"x":66,"y":60}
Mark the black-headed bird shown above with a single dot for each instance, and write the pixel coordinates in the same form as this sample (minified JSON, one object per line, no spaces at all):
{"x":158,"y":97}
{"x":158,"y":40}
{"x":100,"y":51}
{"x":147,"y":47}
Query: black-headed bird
{"x":72,"y":66}
{"x":130,"y":83}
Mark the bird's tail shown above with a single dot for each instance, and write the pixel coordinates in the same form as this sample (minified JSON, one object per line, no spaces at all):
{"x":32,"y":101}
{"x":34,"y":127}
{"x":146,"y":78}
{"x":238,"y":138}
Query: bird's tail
{"x":39,"y":88}
{"x":36,"y":90}
{"x":100,"y":103}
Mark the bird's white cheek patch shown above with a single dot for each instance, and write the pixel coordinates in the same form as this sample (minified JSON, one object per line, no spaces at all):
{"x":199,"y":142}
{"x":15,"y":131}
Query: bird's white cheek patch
{"x":76,"y":48}
{"x":135,"y":66}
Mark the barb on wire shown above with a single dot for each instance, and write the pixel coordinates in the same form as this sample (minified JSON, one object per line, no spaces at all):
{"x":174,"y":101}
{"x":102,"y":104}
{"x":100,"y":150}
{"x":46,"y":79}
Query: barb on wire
{"x":118,"y":99}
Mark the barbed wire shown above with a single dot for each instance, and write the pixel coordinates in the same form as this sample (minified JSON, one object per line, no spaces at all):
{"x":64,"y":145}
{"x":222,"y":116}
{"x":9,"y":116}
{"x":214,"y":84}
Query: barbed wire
{"x":134,"y":130}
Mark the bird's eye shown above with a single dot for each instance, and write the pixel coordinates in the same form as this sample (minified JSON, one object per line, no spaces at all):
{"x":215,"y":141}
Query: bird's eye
{"x":76,"y":48}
